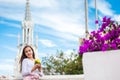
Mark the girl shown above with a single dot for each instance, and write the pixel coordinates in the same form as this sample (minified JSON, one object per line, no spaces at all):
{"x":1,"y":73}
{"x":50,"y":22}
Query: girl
{"x":28,"y":68}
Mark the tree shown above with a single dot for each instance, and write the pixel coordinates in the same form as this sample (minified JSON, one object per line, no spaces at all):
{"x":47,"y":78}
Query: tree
{"x":59,"y":64}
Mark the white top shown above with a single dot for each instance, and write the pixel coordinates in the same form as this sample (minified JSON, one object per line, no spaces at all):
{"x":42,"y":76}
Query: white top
{"x":27,"y":66}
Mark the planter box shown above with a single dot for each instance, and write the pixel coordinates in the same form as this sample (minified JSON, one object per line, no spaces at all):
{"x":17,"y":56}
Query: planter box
{"x":102,"y":65}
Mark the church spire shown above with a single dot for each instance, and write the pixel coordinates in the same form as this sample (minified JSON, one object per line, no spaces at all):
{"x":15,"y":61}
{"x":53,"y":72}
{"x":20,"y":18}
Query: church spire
{"x":27,"y":26}
{"x":27,"y":12}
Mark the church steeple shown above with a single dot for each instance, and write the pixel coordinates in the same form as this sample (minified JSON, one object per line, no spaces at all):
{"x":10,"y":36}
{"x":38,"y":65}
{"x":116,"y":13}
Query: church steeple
{"x":27,"y":26}
{"x":27,"y":12}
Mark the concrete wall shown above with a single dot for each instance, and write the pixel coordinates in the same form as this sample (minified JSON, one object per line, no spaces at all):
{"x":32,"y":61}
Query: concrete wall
{"x":102,"y":65}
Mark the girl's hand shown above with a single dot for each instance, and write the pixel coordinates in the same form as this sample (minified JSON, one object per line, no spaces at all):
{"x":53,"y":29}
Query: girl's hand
{"x":36,"y":66}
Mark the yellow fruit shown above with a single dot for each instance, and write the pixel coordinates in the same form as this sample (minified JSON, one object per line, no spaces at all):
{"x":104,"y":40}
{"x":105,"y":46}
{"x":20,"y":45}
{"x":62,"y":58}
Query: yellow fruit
{"x":37,"y":61}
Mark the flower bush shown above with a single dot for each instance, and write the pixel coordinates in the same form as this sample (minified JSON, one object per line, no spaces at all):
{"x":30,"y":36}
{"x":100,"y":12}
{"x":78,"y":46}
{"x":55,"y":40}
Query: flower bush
{"x":107,"y":37}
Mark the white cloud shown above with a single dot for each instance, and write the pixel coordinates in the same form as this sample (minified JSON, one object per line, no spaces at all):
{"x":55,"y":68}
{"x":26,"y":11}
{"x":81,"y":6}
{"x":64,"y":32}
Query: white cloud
{"x":13,"y":1}
{"x":11,"y":35}
{"x":103,"y":6}
{"x":13,"y":49}
{"x":117,"y":17}
{"x":67,"y":21}
{"x":9,"y":61}
{"x":41,"y":55}
{"x":44,"y":3}
{"x":10,"y":24}
{"x":6,"y":65}
{"x":47,"y":43}
{"x":63,"y":26}
{"x":67,"y":36}
{"x":63,"y":23}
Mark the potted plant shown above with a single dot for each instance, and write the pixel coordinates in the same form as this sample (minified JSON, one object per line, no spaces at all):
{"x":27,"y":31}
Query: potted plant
{"x":100,"y":52}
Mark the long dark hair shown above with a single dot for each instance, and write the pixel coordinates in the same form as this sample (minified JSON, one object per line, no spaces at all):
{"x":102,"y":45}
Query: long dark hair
{"x":23,"y":56}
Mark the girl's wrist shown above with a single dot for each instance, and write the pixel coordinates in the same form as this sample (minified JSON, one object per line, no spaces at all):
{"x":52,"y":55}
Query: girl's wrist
{"x":34,"y":68}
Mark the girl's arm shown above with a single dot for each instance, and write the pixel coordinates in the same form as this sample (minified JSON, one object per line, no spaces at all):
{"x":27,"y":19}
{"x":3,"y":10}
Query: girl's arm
{"x":39,"y":67}
{"x":26,"y":70}
{"x":40,"y":72}
{"x":34,"y":67}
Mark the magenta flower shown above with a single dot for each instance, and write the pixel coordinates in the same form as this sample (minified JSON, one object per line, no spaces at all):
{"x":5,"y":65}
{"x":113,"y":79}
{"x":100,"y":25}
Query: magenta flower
{"x":106,"y":38}
{"x":96,"y":21}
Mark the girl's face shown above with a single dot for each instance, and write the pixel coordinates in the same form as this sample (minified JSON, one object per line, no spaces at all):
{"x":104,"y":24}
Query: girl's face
{"x":28,"y":52}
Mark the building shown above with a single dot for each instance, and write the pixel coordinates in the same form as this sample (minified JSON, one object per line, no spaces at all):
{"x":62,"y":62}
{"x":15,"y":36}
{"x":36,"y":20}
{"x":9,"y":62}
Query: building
{"x":27,"y":38}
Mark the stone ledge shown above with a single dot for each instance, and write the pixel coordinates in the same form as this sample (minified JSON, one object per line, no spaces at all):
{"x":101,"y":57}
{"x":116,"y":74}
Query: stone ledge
{"x":62,"y":77}
{"x":49,"y":77}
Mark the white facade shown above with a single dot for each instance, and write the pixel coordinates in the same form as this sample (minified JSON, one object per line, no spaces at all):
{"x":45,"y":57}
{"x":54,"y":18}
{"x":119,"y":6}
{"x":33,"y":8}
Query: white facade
{"x":27,"y":38}
{"x":102,"y":65}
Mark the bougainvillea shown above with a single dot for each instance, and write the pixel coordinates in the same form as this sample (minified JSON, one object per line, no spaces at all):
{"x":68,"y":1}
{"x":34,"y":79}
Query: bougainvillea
{"x":107,"y":37}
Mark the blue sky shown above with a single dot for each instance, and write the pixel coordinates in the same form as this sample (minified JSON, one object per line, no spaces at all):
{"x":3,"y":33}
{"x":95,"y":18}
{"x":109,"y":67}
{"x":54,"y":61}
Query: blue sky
{"x":58,"y":24}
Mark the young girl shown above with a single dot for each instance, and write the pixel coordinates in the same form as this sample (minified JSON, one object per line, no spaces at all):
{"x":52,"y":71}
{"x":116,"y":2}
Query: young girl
{"x":29,"y":70}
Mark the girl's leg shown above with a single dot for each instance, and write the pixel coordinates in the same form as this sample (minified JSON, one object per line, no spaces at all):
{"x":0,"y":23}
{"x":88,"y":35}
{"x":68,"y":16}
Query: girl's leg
{"x":31,"y":77}
{"x":35,"y":77}
{"x":27,"y":77}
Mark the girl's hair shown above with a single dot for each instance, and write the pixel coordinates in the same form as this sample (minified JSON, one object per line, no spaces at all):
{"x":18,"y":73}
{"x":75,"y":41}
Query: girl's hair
{"x":23,"y":56}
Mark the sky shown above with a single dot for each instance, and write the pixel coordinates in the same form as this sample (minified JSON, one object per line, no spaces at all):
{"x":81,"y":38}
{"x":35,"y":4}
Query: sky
{"x":58,"y":23}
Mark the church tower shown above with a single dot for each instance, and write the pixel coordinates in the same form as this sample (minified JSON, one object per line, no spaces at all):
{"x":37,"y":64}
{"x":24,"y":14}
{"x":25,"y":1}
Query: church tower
{"x":27,"y":38}
{"x":27,"y":27}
